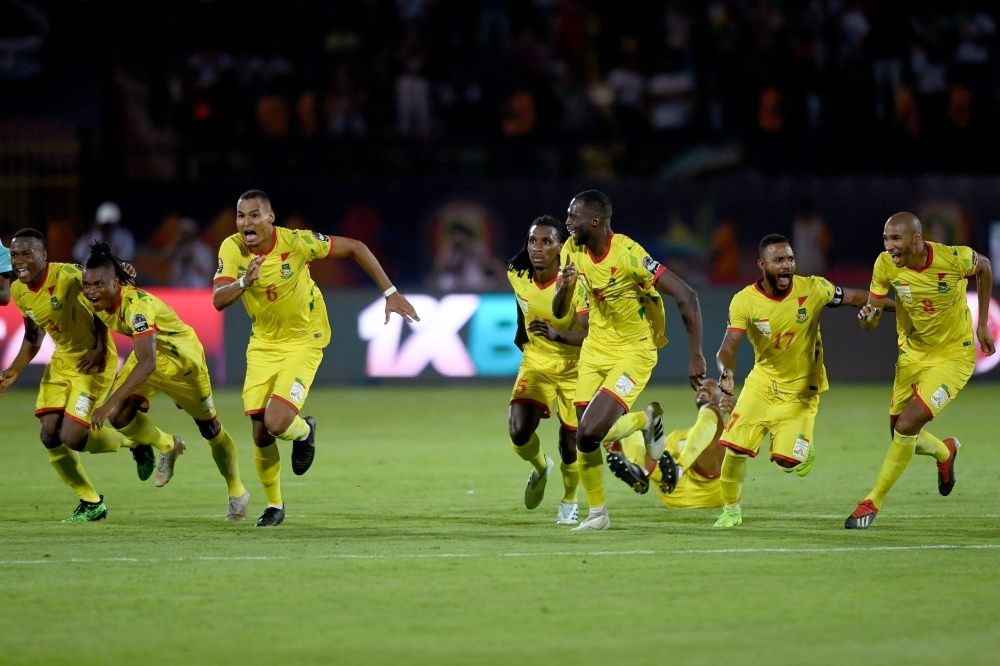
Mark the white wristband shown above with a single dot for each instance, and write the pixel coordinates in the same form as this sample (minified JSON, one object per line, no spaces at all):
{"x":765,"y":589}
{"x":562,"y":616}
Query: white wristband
{"x":242,"y":285}
{"x":389,"y":292}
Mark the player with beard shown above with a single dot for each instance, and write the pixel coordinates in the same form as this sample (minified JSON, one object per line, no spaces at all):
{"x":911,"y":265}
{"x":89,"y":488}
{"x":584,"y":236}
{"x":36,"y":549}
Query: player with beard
{"x":780,"y":314}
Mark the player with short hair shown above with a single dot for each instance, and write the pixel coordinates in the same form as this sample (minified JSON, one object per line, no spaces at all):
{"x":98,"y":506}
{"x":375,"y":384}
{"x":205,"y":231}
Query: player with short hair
{"x":81,"y":371}
{"x":627,"y":321}
{"x":551,"y":348}
{"x":937,"y":352}
{"x":167,"y":357}
{"x":696,"y":450}
{"x":780,"y":314}
{"x":267,"y":267}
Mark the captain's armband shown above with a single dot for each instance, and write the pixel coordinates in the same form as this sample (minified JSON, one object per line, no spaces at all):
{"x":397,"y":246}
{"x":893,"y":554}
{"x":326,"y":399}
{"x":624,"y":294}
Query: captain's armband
{"x":838,"y":298}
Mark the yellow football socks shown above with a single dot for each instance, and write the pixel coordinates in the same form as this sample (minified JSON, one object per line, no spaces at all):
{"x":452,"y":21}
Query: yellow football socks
{"x":571,"y":481}
{"x":929,"y":445}
{"x":532,"y":452}
{"x":224,"y":453}
{"x":626,"y":425}
{"x":590,"y":477}
{"x":298,"y":430}
{"x":699,"y":437}
{"x":734,"y":472}
{"x":106,"y":440}
{"x":67,"y":465}
{"x":900,"y":453}
{"x":268,"y":465}
{"x":143,"y":431}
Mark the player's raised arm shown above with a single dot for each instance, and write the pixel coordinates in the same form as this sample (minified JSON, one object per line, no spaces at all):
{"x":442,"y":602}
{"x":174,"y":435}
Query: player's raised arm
{"x":725,"y":359}
{"x":687,"y":302}
{"x":226,"y":291}
{"x":984,"y":289}
{"x":145,"y":354}
{"x":871,"y":312}
{"x":30,"y":344}
{"x":394,"y":301}
{"x":562,"y":301}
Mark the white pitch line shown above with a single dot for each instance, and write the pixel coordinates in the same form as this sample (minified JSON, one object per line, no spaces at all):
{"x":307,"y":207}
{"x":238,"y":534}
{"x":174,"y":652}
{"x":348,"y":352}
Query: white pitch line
{"x":564,"y":553}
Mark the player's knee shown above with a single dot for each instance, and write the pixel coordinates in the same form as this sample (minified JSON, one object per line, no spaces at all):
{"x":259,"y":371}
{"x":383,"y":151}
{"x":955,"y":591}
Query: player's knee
{"x":520,"y":430}
{"x":75,"y":438}
{"x":589,"y":436}
{"x":49,"y":437}
{"x":209,"y":429}
{"x":785,"y":464}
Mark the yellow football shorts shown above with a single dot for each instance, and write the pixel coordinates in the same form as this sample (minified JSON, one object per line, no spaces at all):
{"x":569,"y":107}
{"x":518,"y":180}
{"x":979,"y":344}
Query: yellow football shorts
{"x":542,"y":382}
{"x":65,"y":389}
{"x":789,"y":420}
{"x":933,"y":384}
{"x":623,"y":376}
{"x":185,"y":380}
{"x":283,"y":375}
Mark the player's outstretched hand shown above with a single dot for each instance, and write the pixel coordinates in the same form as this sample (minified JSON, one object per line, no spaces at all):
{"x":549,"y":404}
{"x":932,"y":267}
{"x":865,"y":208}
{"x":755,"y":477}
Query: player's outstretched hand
{"x":7,"y":378}
{"x":868,"y":315}
{"x":726,"y":383}
{"x":542,"y":328}
{"x":569,"y":274}
{"x":101,"y":414}
{"x":129,"y":269}
{"x":697,"y":367}
{"x":92,"y":360}
{"x":986,"y":342}
{"x":397,"y":303}
{"x":727,"y":404}
{"x":253,"y":270}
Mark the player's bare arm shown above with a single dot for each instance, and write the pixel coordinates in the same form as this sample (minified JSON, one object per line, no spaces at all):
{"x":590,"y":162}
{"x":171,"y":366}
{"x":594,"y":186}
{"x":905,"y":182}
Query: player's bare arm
{"x":521,"y":337}
{"x":145,"y":355}
{"x":94,"y":360}
{"x":726,"y":360}
{"x":572,"y":338}
{"x":984,"y":291}
{"x":687,"y":302}
{"x":225,"y":294}
{"x":871,"y":312}
{"x":565,"y":288}
{"x":30,"y":345}
{"x":394,"y":301}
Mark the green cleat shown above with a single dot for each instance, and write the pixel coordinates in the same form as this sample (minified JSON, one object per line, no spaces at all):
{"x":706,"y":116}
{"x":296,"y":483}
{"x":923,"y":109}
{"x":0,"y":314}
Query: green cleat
{"x":729,"y":518}
{"x":145,"y":460}
{"x":806,"y":465}
{"x":88,"y":512}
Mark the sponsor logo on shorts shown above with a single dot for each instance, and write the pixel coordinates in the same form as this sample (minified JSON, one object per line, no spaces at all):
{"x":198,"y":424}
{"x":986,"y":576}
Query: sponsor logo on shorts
{"x":139,"y":323}
{"x":84,"y":404}
{"x":218,"y":271}
{"x":650,"y":264}
{"x":207,"y":405}
{"x":940,"y":397}
{"x":624,"y":385}
{"x":801,"y":448}
{"x":297,"y":392}
{"x":322,"y":238}
{"x":763,"y":325}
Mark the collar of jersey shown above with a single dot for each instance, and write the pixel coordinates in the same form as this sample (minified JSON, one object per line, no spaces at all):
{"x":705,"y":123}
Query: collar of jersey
{"x":930,"y":259}
{"x":547,"y":284}
{"x":274,"y":242}
{"x":759,"y":285}
{"x":604,"y":256}
{"x":45,"y":277}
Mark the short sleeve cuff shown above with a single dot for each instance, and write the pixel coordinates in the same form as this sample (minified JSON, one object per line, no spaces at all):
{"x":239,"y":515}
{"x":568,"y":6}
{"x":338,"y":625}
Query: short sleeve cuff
{"x":875,"y":295}
{"x":224,"y":278}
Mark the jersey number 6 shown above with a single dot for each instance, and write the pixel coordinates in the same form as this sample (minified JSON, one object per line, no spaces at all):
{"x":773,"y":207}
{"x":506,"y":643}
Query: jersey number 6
{"x":272,"y":292}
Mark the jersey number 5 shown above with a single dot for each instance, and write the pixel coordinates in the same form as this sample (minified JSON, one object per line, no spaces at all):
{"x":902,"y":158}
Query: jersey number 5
{"x":788,"y":335}
{"x":272,"y":292}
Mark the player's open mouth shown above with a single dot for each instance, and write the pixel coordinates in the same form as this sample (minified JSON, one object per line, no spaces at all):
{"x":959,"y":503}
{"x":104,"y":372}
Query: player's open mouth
{"x":22,"y":273}
{"x":896,"y":258}
{"x":250,"y":236}
{"x":784,"y":280}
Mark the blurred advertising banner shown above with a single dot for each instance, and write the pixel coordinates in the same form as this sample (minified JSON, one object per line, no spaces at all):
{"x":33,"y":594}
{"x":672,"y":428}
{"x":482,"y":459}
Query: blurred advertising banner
{"x":193,"y":306}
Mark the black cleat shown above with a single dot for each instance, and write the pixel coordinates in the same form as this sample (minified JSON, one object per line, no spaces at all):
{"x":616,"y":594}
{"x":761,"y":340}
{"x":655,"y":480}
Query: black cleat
{"x":863,"y":516}
{"x":145,"y":460}
{"x":669,"y":473}
{"x":629,"y":472}
{"x":303,"y":450}
{"x":271,"y":517}
{"x":946,"y":470}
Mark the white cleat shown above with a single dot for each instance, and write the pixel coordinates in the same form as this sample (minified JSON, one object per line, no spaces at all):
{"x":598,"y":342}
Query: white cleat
{"x":656,"y":440}
{"x":597,"y":521}
{"x":569,"y":514}
{"x":534,"y":491}
{"x":165,"y":470}
{"x":238,"y":507}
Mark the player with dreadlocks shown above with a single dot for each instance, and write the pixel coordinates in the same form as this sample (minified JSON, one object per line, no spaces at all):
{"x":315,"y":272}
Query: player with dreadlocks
{"x":168,"y":356}
{"x":551,"y":347}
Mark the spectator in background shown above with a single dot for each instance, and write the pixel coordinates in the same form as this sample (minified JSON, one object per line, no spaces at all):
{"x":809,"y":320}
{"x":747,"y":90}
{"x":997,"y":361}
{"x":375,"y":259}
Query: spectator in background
{"x":810,"y":240}
{"x":192,"y":262}
{"x":725,"y":249}
{"x":994,"y":241}
{"x":464,"y":263}
{"x":106,"y":228}
{"x":413,"y":101}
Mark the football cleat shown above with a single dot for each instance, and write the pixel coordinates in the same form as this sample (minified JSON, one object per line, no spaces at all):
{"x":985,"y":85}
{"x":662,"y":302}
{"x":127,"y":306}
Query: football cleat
{"x":165,"y":470}
{"x":670,"y":473}
{"x":88,"y":512}
{"x":303,"y":450}
{"x":238,"y":507}
{"x":145,"y":460}
{"x":629,"y":472}
{"x":599,"y":521}
{"x":946,"y":470}
{"x":534,"y":490}
{"x":652,"y":433}
{"x":272,"y":516}
{"x":806,"y":465}
{"x":569,"y":513}
{"x":730,"y":518}
{"x":862,"y":517}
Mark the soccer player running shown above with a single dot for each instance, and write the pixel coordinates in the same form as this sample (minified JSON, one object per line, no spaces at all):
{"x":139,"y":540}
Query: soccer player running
{"x":780,"y":314}
{"x":167,"y":357}
{"x":627,"y":321}
{"x":267,"y":267}
{"x":696,"y":451}
{"x":81,"y":371}
{"x":937,"y":354}
{"x":551,"y":348}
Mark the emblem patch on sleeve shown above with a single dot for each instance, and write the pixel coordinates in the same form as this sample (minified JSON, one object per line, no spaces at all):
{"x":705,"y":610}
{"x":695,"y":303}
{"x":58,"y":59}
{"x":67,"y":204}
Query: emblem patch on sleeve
{"x":650,"y":264}
{"x":322,"y":238}
{"x":218,"y":271}
{"x":139,"y":323}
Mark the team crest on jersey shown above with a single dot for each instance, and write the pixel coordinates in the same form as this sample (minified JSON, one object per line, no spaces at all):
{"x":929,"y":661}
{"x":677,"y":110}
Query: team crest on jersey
{"x":624,"y":385}
{"x":322,"y":238}
{"x":801,"y":448}
{"x":763,"y":325}
{"x":650,"y":264}
{"x":139,"y":323}
{"x":297,"y":392}
{"x":940,"y":397}
{"x":83,"y":405}
{"x":56,"y":305}
{"x":801,"y":316}
{"x":286,"y":271}
{"x":903,"y":291}
{"x":218,"y":271}
{"x":942,"y":285}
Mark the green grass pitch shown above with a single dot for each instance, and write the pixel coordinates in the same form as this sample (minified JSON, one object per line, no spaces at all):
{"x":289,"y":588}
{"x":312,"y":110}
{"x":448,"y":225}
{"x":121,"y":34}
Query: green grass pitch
{"x":407,"y":542}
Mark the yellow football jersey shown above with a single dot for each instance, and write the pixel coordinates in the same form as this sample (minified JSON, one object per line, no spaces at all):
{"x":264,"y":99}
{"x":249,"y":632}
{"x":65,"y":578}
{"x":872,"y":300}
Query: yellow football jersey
{"x":784,"y":332}
{"x":933,"y":300}
{"x":535,"y":300}
{"x":138,"y":313}
{"x":284,"y":304}
{"x":625,"y":312}
{"x":59,"y":307}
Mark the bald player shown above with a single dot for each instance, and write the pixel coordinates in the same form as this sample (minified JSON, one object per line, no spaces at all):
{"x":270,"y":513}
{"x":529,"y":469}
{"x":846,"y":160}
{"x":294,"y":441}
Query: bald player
{"x":937,"y":354}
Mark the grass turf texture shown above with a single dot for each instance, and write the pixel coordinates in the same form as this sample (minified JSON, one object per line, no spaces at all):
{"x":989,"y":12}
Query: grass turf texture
{"x":407,"y":542}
